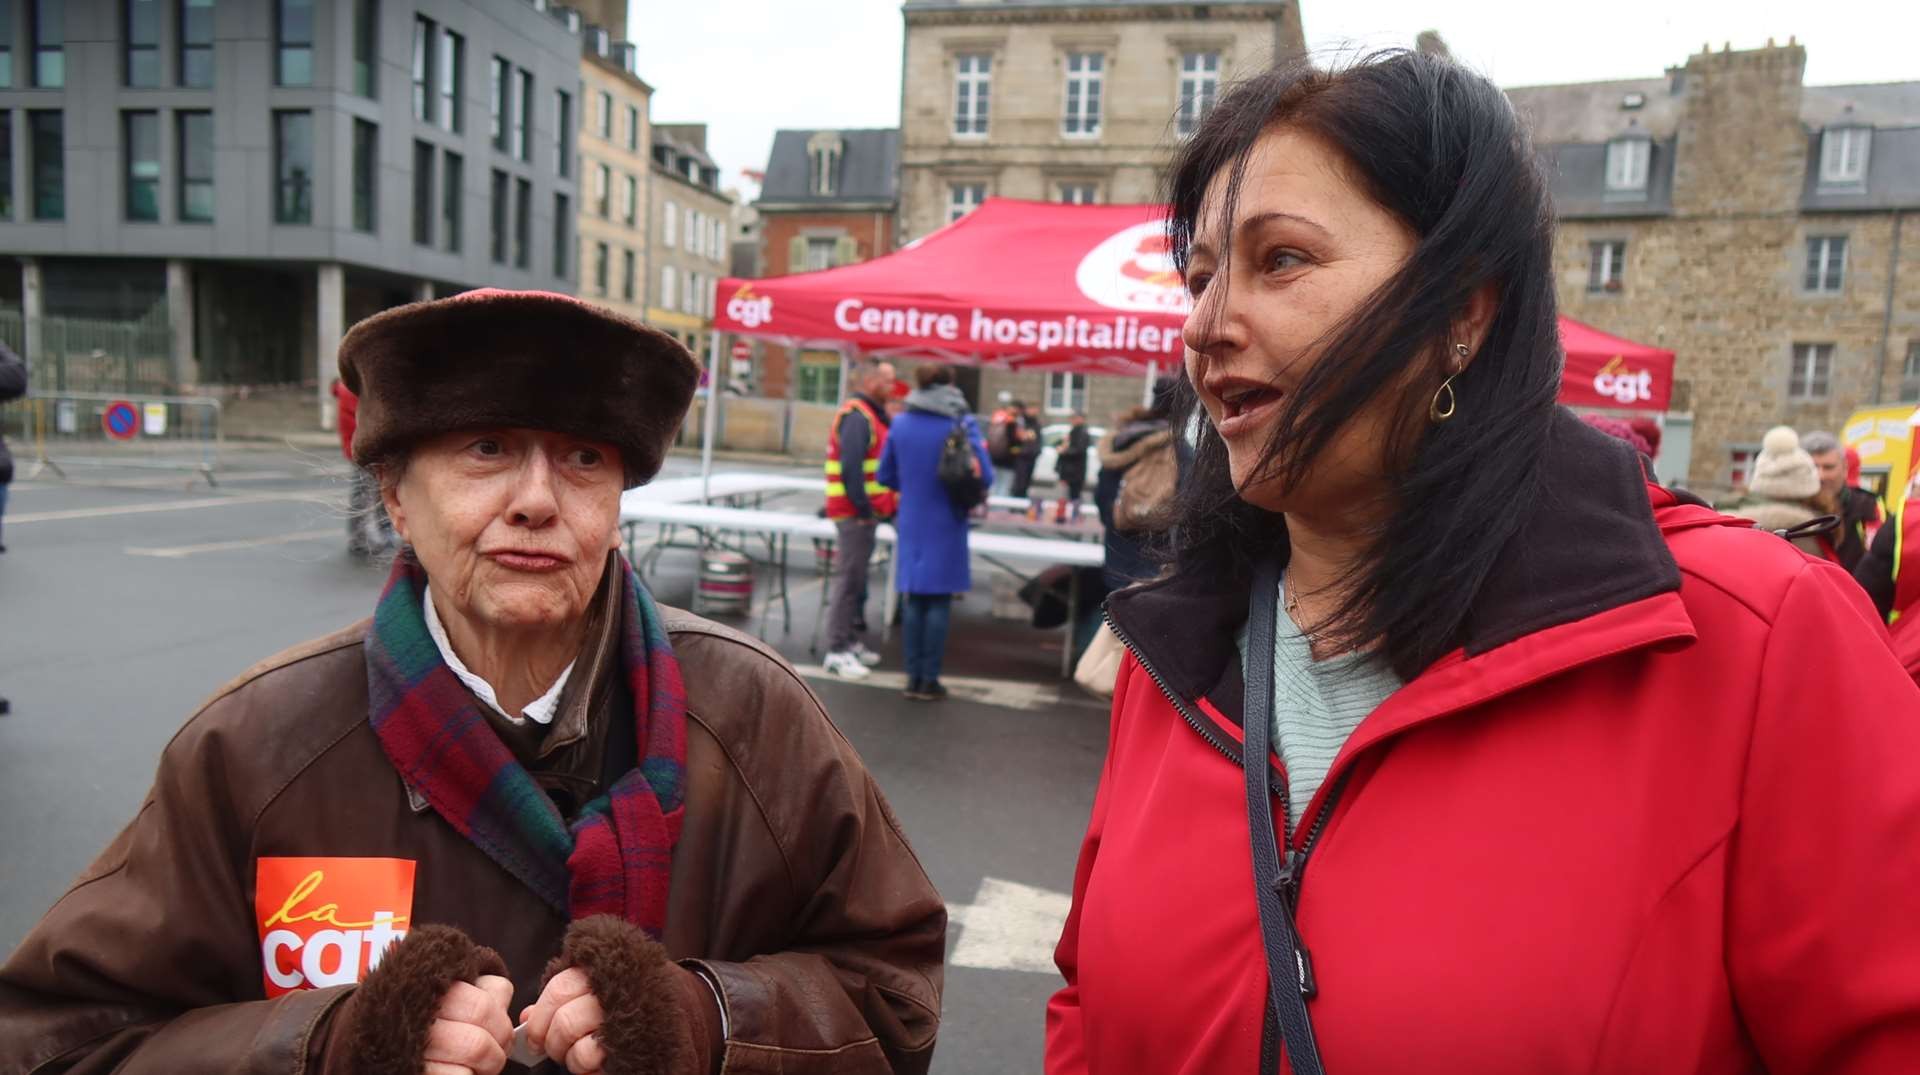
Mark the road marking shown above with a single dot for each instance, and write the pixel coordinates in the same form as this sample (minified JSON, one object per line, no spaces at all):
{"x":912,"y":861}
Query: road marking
{"x":1004,"y":693}
{"x":1009,"y":926}
{"x":142,"y":509}
{"x":180,"y":552}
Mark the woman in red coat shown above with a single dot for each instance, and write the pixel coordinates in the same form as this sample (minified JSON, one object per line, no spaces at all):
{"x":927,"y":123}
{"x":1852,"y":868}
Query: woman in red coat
{"x":1569,"y":773}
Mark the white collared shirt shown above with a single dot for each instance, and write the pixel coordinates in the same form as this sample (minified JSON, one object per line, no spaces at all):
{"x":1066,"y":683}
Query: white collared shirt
{"x":540,"y":710}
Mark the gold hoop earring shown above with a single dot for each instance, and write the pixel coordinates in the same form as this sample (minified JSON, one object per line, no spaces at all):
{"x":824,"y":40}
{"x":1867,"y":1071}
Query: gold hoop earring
{"x":1453,"y":403}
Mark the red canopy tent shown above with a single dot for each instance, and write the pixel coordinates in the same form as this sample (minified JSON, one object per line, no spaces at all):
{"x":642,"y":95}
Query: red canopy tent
{"x":1083,"y":288}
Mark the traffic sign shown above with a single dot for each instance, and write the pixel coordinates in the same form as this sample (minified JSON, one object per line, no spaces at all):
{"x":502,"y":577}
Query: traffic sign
{"x":742,"y":350}
{"x":120,"y":420}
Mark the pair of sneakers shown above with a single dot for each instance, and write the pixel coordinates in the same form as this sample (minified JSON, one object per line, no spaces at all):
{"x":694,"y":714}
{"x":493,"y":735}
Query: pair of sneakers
{"x":925,"y":690}
{"x":852,"y":663}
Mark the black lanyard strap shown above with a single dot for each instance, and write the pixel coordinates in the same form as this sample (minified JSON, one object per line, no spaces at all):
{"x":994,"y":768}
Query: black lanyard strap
{"x":1286,"y":976}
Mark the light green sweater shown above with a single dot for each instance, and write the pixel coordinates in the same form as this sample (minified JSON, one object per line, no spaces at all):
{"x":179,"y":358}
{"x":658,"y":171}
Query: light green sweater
{"x":1316,"y":705}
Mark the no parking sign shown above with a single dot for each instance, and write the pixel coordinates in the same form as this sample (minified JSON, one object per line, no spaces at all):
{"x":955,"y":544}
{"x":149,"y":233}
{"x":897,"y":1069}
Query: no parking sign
{"x":120,"y":420}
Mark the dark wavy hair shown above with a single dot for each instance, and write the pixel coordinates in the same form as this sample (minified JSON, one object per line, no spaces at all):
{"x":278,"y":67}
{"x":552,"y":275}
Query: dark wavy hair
{"x":1440,"y":148}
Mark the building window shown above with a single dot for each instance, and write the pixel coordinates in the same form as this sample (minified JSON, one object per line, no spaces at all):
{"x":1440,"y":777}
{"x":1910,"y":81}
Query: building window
{"x":1627,"y":163}
{"x":669,"y":283}
{"x":140,"y":148}
{"x":817,"y":378}
{"x":626,"y":275}
{"x":1740,"y":464}
{"x":719,"y":241}
{"x":1085,"y":71}
{"x":1199,"y":88}
{"x":499,"y":101}
{"x":423,"y":154}
{"x":1909,"y":373}
{"x":606,"y":115}
{"x":690,"y":298}
{"x":522,"y":224}
{"x":366,"y":176}
{"x":1812,"y":366}
{"x":196,"y":43}
{"x":6,"y":164}
{"x":47,"y":25}
{"x":451,"y":70}
{"x":823,"y":164}
{"x":563,"y":135}
{"x":1079,"y":193}
{"x":1843,"y":155}
{"x":668,"y":221}
{"x":47,"y":161}
{"x":629,"y":200}
{"x":964,"y":198}
{"x":143,"y":42}
{"x":1606,"y":264}
{"x":293,"y":35}
{"x":423,"y":57}
{"x":293,"y":167}
{"x":972,"y":93}
{"x":1067,"y":393}
{"x":601,"y":255}
{"x":820,"y":253}
{"x":497,"y":218}
{"x":194,"y":131}
{"x":562,"y":212}
{"x":633,"y":129}
{"x":523,"y":118}
{"x":1826,"y":264}
{"x":695,"y":245}
{"x":452,"y":197}
{"x":602,"y":192}
{"x":366,"y":48}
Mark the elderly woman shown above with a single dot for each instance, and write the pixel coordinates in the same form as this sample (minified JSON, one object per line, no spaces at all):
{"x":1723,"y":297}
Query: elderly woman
{"x":1584,"y":776}
{"x":521,"y":793}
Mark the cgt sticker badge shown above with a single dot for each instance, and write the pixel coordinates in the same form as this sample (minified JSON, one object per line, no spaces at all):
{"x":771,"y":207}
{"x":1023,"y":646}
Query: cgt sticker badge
{"x":328,"y":921}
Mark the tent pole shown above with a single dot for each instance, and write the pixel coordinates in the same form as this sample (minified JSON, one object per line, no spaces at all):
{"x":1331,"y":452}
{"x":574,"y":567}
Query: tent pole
{"x":1153,"y":374}
{"x":710,"y":420}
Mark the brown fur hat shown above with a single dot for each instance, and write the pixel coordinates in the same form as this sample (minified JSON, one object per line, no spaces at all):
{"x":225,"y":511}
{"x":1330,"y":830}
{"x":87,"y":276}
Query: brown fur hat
{"x":531,"y":359}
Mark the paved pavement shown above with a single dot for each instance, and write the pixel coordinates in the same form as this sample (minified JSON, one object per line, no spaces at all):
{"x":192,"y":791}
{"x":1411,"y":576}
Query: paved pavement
{"x":126,"y":598}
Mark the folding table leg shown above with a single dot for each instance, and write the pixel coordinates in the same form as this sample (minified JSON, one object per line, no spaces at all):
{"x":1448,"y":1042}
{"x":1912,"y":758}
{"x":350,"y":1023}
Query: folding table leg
{"x":1073,"y":623}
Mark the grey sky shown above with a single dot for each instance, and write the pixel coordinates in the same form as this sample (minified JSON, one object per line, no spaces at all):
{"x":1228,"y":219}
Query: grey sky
{"x":749,"y":67}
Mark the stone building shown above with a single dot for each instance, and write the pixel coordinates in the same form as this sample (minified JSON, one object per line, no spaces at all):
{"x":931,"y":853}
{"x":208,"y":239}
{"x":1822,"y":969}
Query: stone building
{"x":1751,"y":224}
{"x":829,"y":198}
{"x":689,"y":245}
{"x":1053,"y":100}
{"x":616,"y":143}
{"x":258,"y":176}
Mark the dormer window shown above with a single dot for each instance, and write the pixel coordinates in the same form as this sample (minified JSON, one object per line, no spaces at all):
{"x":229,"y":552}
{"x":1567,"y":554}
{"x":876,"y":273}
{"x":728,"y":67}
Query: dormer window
{"x":823,"y":163}
{"x":1843,"y":156}
{"x":1627,"y":158}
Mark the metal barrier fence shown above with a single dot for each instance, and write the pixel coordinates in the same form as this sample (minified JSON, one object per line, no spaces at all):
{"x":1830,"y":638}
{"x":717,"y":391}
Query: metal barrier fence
{"x":52,"y":430}
{"x":77,"y":354}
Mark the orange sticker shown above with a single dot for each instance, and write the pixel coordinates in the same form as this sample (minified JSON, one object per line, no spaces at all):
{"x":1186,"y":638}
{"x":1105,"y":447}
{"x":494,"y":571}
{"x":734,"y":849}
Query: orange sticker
{"x":328,"y":921}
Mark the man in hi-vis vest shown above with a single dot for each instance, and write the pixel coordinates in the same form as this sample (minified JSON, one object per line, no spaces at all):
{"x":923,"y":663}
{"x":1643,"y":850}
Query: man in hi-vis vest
{"x":857,"y":503}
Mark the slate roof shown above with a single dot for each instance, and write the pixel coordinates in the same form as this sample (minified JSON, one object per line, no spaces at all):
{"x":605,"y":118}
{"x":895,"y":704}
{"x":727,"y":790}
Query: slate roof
{"x":1572,"y":123}
{"x":869,"y":169}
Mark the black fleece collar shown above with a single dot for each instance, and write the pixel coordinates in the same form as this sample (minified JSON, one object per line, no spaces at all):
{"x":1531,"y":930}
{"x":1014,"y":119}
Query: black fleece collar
{"x":1588,"y":543}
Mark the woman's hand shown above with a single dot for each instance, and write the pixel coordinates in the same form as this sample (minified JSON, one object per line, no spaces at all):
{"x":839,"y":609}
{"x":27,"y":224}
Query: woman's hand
{"x":471,"y":1031}
{"x":565,"y":1021}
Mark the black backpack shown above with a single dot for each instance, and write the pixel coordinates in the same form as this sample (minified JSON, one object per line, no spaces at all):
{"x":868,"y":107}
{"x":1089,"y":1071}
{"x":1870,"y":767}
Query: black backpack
{"x":959,"y":470}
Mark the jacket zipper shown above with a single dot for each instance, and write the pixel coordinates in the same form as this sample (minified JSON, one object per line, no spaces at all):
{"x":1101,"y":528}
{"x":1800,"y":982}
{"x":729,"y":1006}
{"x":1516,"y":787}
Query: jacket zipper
{"x":1193,"y":719}
{"x":1293,"y":864}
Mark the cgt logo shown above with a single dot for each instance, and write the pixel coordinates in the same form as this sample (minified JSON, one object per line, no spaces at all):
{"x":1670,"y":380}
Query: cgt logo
{"x":1616,"y":382}
{"x":1133,"y":270}
{"x":328,"y":921}
{"x":750,"y":310}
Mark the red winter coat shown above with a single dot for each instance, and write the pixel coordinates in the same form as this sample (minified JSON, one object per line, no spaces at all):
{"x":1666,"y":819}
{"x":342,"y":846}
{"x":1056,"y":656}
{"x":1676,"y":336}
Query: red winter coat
{"x":1661,"y":814}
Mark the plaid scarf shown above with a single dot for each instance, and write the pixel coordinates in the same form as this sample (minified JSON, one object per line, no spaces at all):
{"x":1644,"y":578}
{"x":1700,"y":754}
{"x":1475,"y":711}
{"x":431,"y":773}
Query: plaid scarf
{"x":617,"y":856}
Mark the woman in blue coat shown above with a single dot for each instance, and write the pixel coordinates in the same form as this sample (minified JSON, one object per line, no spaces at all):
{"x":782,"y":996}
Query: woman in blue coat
{"x":933,"y":532}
